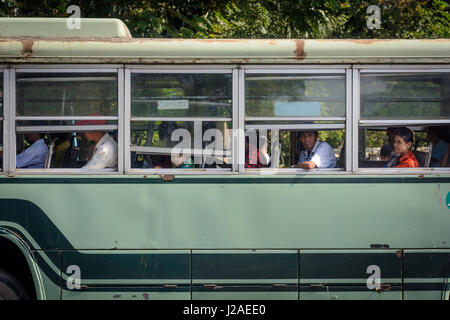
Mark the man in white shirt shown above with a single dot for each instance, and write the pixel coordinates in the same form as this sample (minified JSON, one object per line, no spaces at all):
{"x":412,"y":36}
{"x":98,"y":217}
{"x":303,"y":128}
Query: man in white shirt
{"x":316,"y":154}
{"x":105,"y":150}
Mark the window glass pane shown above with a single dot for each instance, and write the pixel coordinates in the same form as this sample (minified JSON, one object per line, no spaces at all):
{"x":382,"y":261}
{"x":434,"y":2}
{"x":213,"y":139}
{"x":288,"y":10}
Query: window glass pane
{"x":181,"y":95}
{"x":49,"y":144}
{"x":405,"y":96}
{"x":66,"y":94}
{"x":207,"y":144}
{"x":284,"y":95}
{"x":284,"y":148}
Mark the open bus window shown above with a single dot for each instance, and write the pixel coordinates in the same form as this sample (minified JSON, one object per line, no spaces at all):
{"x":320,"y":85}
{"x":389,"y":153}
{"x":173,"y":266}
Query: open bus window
{"x":49,"y":145}
{"x":67,"y":121}
{"x":181,"y":121}
{"x":180,"y":144}
{"x":376,"y":147}
{"x":283,"y":148}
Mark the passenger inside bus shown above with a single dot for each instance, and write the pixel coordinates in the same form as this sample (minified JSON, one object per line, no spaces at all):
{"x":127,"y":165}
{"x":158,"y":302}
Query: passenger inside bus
{"x":386,"y":152}
{"x":439,"y":138}
{"x":404,"y":157}
{"x":33,"y":156}
{"x":256,"y":157}
{"x":315,"y":153}
{"x":105,"y":151}
{"x":165,"y":161}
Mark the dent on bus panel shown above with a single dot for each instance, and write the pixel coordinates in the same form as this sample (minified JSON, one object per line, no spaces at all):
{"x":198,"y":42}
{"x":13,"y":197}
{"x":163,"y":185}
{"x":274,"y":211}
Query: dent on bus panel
{"x":61,"y":120}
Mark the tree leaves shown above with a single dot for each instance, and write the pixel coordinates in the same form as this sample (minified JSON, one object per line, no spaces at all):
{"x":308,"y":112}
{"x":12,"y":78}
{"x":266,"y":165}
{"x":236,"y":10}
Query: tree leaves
{"x":308,"y":19}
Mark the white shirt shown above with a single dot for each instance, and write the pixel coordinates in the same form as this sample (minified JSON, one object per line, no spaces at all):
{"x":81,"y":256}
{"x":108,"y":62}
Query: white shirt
{"x":105,"y":154}
{"x":322,"y":155}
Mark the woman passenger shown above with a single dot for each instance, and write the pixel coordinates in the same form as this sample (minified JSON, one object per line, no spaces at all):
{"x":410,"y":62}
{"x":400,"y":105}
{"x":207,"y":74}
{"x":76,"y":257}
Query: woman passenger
{"x":402,"y":147}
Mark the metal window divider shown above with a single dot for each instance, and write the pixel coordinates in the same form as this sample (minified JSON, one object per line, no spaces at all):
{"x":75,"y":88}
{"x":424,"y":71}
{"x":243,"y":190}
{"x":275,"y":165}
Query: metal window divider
{"x":11,"y":133}
{"x":126,"y":121}
{"x":6,"y":123}
{"x":120,"y":122}
{"x":240,"y":130}
{"x":355,"y":119}
{"x":348,"y":120}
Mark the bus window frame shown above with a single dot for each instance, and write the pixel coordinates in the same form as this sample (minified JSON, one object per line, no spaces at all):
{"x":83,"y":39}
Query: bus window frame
{"x":365,"y":123}
{"x":4,"y":74}
{"x":347,"y":119}
{"x":179,"y":69}
{"x":64,"y":69}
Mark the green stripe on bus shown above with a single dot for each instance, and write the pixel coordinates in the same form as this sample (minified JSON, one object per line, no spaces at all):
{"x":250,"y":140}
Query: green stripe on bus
{"x":224,"y":180}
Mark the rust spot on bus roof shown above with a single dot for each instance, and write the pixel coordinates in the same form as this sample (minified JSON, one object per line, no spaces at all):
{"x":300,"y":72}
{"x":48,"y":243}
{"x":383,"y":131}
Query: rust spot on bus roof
{"x":27,"y":47}
{"x":300,"y":49}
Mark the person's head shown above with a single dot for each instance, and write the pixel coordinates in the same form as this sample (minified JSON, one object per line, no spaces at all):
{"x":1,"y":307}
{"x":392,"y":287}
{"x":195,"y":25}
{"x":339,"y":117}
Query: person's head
{"x":385,"y":152}
{"x":390,"y":132}
{"x":308,"y":139}
{"x":435,"y":133}
{"x":32,"y":137}
{"x":94,"y":136}
{"x":403,"y":141}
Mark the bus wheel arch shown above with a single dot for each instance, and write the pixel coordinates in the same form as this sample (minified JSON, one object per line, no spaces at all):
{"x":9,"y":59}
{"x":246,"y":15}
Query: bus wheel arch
{"x":18,"y":271}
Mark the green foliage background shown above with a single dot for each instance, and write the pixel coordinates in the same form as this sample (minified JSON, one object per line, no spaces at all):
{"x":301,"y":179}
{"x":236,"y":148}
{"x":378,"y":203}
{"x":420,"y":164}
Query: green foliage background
{"x":310,"y":19}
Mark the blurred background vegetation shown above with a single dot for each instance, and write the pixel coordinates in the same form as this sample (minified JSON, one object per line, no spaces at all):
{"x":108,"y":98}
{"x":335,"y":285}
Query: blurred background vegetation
{"x":307,"y":19}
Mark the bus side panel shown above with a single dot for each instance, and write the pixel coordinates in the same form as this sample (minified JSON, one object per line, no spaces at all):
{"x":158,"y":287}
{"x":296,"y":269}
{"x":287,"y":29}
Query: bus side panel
{"x":49,"y":263}
{"x":129,"y":274}
{"x":231,"y":212}
{"x":357,"y":274}
{"x":427,"y":274}
{"x":245,"y":274}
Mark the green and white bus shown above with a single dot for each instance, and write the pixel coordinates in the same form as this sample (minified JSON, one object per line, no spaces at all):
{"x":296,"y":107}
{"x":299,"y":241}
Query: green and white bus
{"x":209,"y":226}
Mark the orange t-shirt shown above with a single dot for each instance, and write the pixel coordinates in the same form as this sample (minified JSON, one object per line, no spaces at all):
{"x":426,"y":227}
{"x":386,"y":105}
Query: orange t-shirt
{"x":408,"y":161}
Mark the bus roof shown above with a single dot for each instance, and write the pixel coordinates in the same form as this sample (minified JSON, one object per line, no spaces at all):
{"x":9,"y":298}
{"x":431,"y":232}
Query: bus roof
{"x":49,"y":40}
{"x":58,"y":28}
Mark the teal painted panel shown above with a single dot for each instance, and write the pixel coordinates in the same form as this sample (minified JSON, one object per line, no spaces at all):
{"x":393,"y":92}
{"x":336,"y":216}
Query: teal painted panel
{"x":348,"y":293}
{"x":210,"y":212}
{"x":101,"y":268}
{"x":349,"y":267}
{"x":245,"y":292}
{"x":426,"y":274}
{"x":49,"y":263}
{"x":128,"y":293}
{"x":245,"y":266}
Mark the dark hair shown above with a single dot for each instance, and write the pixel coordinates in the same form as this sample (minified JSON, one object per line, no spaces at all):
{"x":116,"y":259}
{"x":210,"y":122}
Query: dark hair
{"x":405,"y":133}
{"x":440,"y":132}
{"x":312,"y":131}
{"x":386,"y":150}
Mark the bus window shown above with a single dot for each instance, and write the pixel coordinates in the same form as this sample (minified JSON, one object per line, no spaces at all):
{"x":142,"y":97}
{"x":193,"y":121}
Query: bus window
{"x":392,"y":101}
{"x":66,"y":121}
{"x":181,"y":121}
{"x":376,"y":146}
{"x":280,"y":106}
{"x":295,"y":95}
{"x":172,"y":144}
{"x":284,"y":148}
{"x":405,"y":96}
{"x":1,"y":120}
